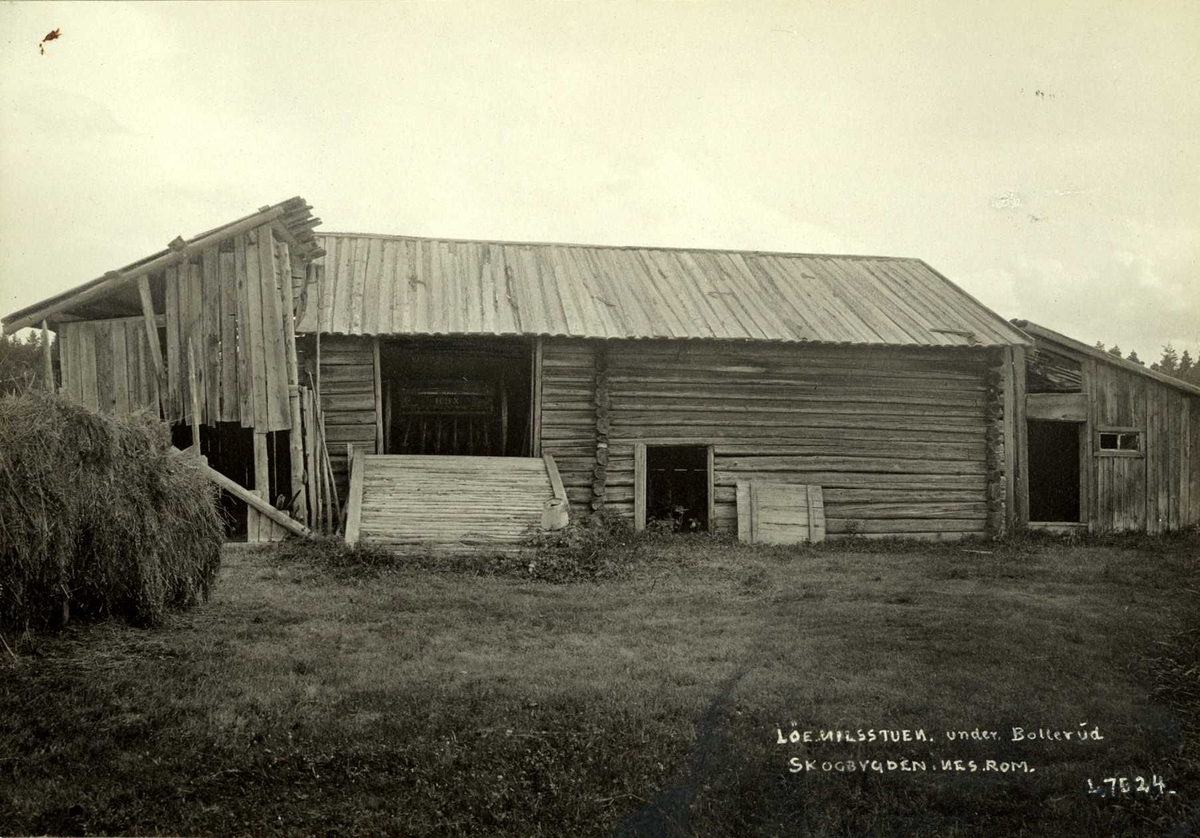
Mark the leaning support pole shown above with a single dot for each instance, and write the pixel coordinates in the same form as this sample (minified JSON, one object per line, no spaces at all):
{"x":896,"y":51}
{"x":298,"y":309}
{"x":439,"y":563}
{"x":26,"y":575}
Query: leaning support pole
{"x":296,"y":434}
{"x":252,"y":499}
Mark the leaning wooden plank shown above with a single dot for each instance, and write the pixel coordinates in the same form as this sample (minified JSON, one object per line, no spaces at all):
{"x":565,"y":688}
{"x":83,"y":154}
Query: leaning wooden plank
{"x":555,"y":479}
{"x":251,"y":499}
{"x":354,"y":502}
{"x":153,"y":345}
{"x":312,"y":482}
{"x":639,"y":486}
{"x":296,"y":433}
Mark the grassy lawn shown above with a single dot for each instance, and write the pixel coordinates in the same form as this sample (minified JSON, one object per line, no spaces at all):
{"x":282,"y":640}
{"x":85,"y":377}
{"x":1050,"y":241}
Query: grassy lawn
{"x":310,"y":698}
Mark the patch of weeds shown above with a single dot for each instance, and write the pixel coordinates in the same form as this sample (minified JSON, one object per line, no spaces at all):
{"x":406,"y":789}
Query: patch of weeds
{"x":602,"y":546}
{"x":335,"y":554}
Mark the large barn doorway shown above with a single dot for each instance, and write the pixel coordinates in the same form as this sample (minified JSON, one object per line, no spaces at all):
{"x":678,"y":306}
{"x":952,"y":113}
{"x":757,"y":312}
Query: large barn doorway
{"x":1054,"y":471}
{"x":456,"y":396}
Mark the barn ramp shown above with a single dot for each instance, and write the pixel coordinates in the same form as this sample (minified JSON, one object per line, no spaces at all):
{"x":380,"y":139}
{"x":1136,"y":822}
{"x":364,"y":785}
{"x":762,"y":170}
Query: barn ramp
{"x":452,"y":503}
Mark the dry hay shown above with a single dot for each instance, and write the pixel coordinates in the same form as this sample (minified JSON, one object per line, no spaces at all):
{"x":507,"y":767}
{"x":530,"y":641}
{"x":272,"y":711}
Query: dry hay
{"x":96,"y":512}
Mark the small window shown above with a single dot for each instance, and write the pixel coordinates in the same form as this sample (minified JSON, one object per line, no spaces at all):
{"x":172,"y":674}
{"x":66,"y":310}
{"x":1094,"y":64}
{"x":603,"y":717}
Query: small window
{"x":1120,"y":442}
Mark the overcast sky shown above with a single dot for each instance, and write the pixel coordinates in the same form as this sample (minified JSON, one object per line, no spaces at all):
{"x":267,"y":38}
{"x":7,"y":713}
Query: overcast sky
{"x":1043,"y":156}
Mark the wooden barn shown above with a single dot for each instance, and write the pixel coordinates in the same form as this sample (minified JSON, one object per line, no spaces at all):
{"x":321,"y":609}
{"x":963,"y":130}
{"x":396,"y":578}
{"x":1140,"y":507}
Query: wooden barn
{"x":1110,"y":445}
{"x":424,"y":391}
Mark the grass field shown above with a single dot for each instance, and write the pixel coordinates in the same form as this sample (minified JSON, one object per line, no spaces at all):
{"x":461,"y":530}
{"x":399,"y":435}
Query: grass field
{"x":310,"y":697}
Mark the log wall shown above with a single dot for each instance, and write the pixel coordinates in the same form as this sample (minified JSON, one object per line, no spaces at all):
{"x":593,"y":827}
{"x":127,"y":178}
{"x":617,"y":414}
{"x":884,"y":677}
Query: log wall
{"x":897,"y":438}
{"x":347,"y":399}
{"x":568,"y":421}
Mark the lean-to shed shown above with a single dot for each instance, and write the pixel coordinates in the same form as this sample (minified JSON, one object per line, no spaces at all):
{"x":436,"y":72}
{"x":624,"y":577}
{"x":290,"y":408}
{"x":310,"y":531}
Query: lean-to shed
{"x":1110,"y":445}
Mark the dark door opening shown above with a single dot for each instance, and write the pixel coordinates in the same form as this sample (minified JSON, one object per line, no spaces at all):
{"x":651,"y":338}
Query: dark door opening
{"x":1054,"y":471}
{"x":677,"y":486}
{"x":456,"y":396}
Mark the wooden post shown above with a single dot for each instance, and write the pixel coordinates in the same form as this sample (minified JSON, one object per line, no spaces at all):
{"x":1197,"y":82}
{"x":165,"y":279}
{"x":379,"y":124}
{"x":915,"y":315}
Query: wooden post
{"x":639,"y":486}
{"x":296,"y":433}
{"x":536,"y":402}
{"x":354,"y":502}
{"x":194,"y":394}
{"x":262,"y":487}
{"x":47,"y":363}
{"x":378,"y":397}
{"x":1021,"y":429}
{"x":712,"y":489}
{"x":310,"y":459}
{"x":1010,"y":440}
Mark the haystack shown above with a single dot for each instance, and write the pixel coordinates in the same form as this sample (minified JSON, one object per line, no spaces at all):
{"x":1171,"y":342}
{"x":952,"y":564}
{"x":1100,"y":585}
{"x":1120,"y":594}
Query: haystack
{"x":97,"y":514}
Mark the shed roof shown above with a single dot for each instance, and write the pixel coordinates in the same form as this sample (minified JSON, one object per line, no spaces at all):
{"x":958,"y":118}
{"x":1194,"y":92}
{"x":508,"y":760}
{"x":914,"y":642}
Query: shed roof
{"x":292,"y":217}
{"x":401,"y":285}
{"x":1081,"y":348}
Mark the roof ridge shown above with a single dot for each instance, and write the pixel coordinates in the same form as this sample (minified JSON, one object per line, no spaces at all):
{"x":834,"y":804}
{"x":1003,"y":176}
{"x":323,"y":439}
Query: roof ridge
{"x":672,"y":248}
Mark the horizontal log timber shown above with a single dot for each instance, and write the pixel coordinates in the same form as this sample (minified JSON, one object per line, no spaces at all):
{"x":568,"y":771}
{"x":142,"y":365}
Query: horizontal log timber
{"x":1059,"y":407}
{"x":848,"y":526}
{"x":850,"y":464}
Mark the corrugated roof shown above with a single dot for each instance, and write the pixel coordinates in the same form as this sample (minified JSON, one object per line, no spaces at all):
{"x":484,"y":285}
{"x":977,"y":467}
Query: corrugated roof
{"x":416,"y":286}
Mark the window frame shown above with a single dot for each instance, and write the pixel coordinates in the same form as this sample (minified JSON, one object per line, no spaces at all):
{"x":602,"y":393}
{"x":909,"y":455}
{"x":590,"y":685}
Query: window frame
{"x":639,"y":478}
{"x":1120,"y":431}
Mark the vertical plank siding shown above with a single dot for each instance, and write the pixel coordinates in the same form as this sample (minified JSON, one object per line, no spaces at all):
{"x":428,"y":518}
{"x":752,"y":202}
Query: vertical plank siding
{"x":1152,"y":491}
{"x":228,"y":300}
{"x":896,"y":438}
{"x":106,"y":366}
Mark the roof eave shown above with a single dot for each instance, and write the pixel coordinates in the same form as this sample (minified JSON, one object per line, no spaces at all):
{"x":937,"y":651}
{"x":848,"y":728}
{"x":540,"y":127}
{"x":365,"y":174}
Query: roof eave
{"x":1092,"y":352}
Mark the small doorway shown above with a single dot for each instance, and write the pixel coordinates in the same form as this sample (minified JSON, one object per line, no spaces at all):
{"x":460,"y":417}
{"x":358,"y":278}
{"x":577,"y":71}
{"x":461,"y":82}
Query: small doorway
{"x":1054,"y":471}
{"x":678,"y":481}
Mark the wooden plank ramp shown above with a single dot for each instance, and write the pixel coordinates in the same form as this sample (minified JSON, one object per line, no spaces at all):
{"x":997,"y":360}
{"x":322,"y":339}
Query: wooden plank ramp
{"x":449,"y":504}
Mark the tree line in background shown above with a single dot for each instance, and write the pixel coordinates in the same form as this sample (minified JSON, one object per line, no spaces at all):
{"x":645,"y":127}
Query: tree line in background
{"x":21,"y":362}
{"x":1183,"y":367}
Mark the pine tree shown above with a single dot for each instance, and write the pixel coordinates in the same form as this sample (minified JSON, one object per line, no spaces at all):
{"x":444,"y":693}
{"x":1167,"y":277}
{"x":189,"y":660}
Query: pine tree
{"x":1185,"y":364}
{"x":1169,"y":363}
{"x":1100,"y":346}
{"x":1116,"y":350}
{"x":1133,"y":357}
